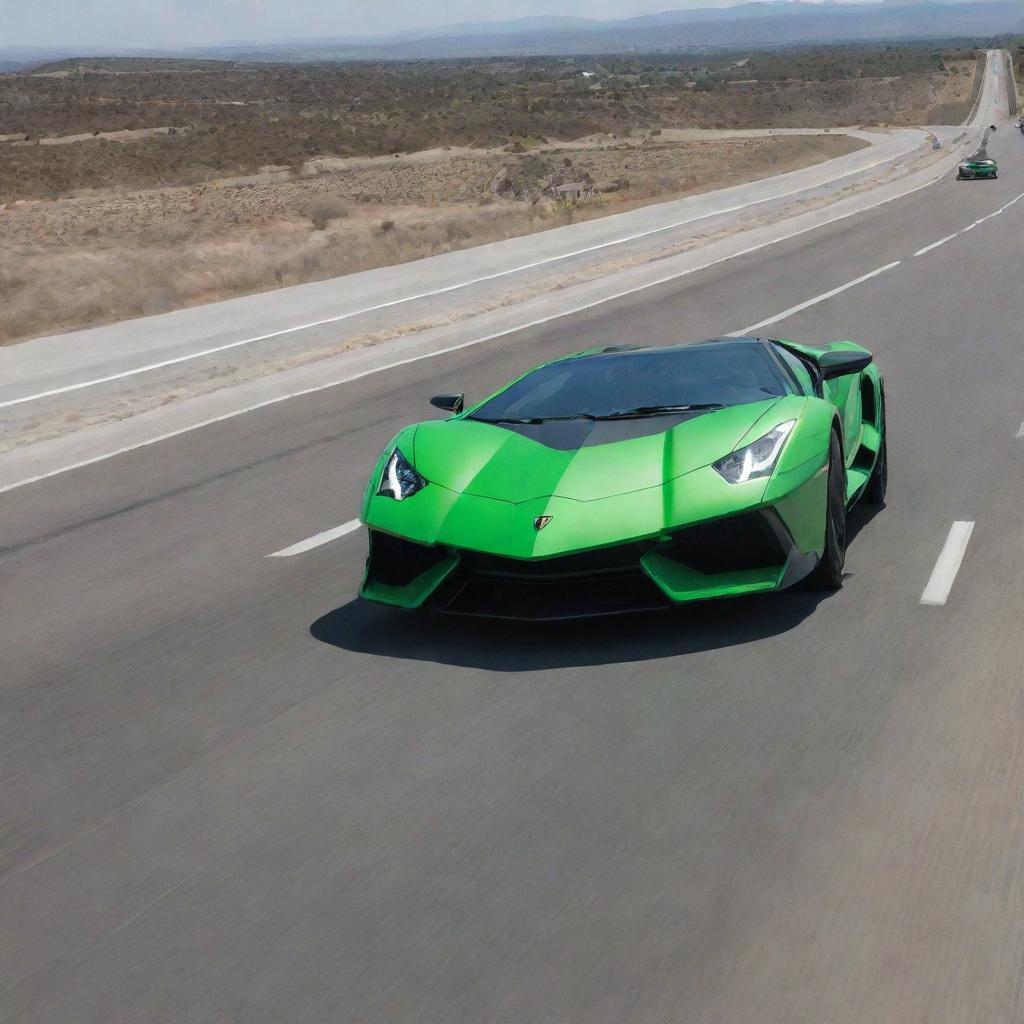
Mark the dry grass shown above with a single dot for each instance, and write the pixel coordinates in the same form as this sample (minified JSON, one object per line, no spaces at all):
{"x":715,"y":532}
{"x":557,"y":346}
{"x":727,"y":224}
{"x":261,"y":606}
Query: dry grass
{"x":276,"y":175}
{"x":77,"y":262}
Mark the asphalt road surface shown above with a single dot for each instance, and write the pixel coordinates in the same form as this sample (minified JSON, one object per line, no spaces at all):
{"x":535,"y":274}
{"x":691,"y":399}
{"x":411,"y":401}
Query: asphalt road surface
{"x":230,"y":792}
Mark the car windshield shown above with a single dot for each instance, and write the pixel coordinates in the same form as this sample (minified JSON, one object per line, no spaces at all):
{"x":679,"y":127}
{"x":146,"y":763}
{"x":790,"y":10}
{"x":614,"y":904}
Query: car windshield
{"x":717,"y":374}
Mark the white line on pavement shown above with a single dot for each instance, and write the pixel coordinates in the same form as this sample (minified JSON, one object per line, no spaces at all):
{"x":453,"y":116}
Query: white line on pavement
{"x":948,"y":565}
{"x":1020,"y":430}
{"x":423,"y":295}
{"x":970,"y":227}
{"x":317,"y":539}
{"x":455,"y":348}
{"x":813,"y":302}
{"x":934,"y":245}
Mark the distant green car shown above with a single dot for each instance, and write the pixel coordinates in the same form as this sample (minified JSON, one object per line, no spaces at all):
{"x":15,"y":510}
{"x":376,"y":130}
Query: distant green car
{"x":981,"y":168}
{"x":631,"y":478}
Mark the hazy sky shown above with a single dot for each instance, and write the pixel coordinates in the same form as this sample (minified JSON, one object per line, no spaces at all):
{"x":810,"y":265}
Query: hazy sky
{"x":162,"y":23}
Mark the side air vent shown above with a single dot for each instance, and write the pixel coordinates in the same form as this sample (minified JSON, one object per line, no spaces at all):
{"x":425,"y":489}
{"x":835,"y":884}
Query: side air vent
{"x":869,"y":408}
{"x":749,"y":541}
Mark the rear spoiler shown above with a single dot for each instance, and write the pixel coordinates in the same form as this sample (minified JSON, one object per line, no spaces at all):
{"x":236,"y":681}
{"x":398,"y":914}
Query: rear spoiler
{"x":833,"y":362}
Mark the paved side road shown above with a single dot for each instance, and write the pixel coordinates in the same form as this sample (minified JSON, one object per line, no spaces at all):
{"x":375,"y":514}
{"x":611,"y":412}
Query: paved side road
{"x":232,"y":793}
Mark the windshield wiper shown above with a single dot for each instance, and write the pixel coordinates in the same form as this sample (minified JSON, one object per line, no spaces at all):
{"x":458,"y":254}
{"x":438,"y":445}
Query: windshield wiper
{"x":639,"y":412}
{"x":507,"y":419}
{"x":534,"y":420}
{"x":658,"y":410}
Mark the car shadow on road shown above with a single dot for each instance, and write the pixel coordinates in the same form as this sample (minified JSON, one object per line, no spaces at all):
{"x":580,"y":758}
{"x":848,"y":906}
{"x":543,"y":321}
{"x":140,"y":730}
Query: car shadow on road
{"x":509,"y":646}
{"x":859,"y":517}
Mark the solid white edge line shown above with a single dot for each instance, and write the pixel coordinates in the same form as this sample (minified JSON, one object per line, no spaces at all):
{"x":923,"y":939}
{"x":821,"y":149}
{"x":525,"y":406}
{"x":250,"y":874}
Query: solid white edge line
{"x":424,"y":295}
{"x":1020,"y":431}
{"x":786,"y":313}
{"x":934,"y":245}
{"x":317,"y":539}
{"x":948,"y":565}
{"x":455,"y":348}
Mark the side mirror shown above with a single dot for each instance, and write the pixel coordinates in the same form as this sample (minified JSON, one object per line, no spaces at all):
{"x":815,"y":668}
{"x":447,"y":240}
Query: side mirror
{"x":450,"y":403}
{"x":842,"y":363}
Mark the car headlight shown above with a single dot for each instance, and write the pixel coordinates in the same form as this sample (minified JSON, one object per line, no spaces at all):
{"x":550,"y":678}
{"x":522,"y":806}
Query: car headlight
{"x":756,"y":460}
{"x":399,"y":480}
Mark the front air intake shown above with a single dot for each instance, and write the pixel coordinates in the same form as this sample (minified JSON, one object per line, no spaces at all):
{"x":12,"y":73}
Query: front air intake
{"x":396,"y":562}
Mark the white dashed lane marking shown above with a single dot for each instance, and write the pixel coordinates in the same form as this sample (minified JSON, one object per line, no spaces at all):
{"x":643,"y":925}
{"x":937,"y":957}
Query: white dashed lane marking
{"x":813,"y":302}
{"x":935,"y":245}
{"x":317,"y":539}
{"x":941,"y":580}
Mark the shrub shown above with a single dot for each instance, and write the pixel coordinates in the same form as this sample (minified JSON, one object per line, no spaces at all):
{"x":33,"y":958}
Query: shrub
{"x":323,"y":211}
{"x":455,"y":231}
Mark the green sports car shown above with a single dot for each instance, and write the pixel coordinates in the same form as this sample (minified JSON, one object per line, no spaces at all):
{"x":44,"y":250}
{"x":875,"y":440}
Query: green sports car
{"x":978,"y":168}
{"x":631,"y":478}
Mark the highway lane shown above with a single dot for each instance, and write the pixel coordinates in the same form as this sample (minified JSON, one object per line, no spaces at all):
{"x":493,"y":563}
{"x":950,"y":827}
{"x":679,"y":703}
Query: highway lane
{"x":230,"y":793}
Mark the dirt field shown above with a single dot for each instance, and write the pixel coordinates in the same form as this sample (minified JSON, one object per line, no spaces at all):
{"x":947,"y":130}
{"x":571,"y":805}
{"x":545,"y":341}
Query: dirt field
{"x":136,"y":187}
{"x":94,"y":259}
{"x":187,"y":125}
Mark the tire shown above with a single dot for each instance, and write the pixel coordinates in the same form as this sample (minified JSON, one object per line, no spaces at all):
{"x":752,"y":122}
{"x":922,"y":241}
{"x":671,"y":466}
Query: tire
{"x":828,"y":573}
{"x":878,"y":482}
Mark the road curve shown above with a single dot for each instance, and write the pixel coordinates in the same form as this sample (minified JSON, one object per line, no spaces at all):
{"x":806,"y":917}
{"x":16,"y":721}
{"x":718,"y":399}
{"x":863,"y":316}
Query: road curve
{"x":232,"y":793}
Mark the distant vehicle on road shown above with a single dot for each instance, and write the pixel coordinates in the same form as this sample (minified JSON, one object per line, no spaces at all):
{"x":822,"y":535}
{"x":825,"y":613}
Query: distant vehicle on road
{"x":631,"y":478}
{"x":977,"y":168}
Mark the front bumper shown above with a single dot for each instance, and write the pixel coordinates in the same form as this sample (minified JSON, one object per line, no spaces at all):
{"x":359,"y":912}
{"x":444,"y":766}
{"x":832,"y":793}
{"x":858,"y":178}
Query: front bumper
{"x":747,"y":553}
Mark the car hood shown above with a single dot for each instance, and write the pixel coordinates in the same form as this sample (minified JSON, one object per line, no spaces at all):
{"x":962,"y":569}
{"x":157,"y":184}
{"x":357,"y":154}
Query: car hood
{"x":580,"y":460}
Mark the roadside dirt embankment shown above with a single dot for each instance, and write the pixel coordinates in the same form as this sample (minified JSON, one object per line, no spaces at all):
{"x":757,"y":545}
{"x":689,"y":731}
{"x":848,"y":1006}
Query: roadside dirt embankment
{"x":109,"y":256}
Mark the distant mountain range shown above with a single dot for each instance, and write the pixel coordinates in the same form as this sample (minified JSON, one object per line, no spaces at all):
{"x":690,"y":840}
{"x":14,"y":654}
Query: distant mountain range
{"x":744,"y":26}
{"x":748,"y":25}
